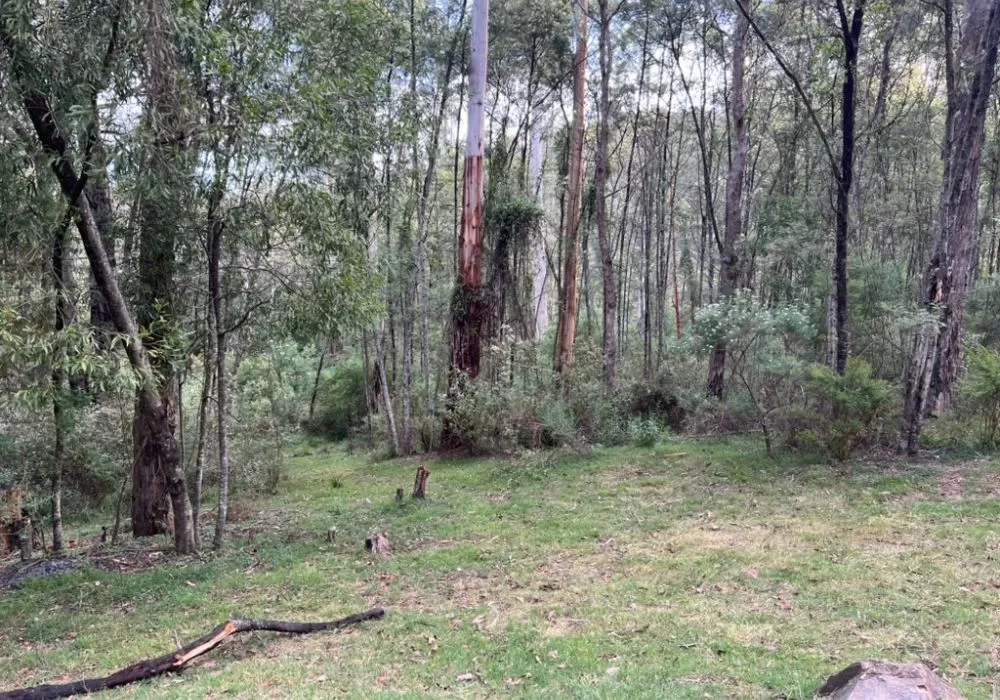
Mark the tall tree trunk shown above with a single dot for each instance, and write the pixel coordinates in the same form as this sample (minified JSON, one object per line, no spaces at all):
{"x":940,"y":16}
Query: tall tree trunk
{"x":469,"y":308}
{"x":317,"y":378}
{"x":627,"y":197}
{"x":843,"y":170}
{"x":98,"y":193}
{"x":540,"y":268}
{"x":851,"y":35}
{"x":423,"y":190}
{"x":65,"y":314}
{"x":936,"y":359}
{"x":216,"y":228}
{"x":570,"y":295}
{"x":207,"y":389}
{"x":610,"y":339}
{"x":384,"y":388}
{"x":588,"y":306}
{"x":674,"y":176}
{"x":150,"y":403}
{"x":166,"y":191}
{"x":98,"y":189}
{"x":729,"y":272}
{"x":410,"y":268}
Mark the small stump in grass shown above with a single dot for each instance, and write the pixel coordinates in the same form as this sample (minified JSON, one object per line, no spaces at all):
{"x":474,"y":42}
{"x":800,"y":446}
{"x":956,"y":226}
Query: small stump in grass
{"x":885,"y":680}
{"x":378,"y":544}
{"x":420,"y":482}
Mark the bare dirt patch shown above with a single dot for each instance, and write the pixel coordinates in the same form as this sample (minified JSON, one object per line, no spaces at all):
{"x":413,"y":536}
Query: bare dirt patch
{"x":130,"y":562}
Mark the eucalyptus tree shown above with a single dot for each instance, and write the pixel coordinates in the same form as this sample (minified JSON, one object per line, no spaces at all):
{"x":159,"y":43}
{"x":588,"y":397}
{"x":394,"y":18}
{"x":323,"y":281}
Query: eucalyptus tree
{"x":468,"y":306}
{"x":729,"y":271}
{"x":153,"y":413}
{"x":287,"y":182}
{"x":569,"y":294}
{"x":610,"y":289}
{"x":931,"y":381}
{"x":850,"y":26}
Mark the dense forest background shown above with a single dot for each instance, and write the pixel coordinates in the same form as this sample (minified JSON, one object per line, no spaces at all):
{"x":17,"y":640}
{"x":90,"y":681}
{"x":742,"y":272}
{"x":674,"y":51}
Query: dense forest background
{"x":228,"y":221}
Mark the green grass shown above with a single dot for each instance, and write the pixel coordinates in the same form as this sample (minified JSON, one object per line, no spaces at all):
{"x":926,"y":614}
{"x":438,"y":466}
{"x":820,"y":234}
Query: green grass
{"x":692,"y":570}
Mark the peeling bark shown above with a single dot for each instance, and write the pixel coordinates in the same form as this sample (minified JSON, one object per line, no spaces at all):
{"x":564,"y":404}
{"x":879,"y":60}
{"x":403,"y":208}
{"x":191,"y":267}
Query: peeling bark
{"x":935,"y":362}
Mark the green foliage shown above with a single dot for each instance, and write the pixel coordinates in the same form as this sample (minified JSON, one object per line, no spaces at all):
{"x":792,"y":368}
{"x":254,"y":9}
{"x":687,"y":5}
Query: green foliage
{"x":644,"y":432}
{"x":983,"y":319}
{"x":850,"y":404}
{"x":882,"y":313}
{"x":272,"y":399}
{"x":766,"y":350}
{"x":980,"y":389}
{"x":340,"y":400}
{"x":512,"y":219}
{"x":598,"y":415}
{"x":519,"y":404}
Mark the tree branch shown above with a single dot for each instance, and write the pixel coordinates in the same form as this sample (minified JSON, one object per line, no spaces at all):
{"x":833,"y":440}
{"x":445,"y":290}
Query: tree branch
{"x":798,"y":88}
{"x":176,"y":661}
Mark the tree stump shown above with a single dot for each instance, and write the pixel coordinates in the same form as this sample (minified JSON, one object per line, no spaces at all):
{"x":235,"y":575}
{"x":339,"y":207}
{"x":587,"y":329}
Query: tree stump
{"x":10,"y":518}
{"x":420,"y":482}
{"x":27,"y":539}
{"x":378,"y":544}
{"x":885,"y":680}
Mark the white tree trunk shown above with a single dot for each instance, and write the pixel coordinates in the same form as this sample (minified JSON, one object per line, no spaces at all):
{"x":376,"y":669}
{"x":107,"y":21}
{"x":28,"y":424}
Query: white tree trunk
{"x":469,"y":305}
{"x":471,"y":244}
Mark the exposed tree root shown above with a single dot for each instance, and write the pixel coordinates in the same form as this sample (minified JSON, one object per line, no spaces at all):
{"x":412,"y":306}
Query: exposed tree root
{"x":176,"y":661}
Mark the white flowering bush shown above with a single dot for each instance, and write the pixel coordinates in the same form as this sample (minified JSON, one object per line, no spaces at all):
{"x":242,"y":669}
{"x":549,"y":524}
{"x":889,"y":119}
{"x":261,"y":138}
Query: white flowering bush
{"x":767,"y":350}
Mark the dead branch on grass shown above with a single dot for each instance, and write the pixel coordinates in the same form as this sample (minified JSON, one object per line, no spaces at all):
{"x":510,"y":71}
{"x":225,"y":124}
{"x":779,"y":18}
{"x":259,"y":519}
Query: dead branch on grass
{"x":176,"y":661}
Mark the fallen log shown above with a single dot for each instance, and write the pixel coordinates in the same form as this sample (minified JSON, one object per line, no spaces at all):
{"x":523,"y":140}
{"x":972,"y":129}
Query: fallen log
{"x":176,"y":661}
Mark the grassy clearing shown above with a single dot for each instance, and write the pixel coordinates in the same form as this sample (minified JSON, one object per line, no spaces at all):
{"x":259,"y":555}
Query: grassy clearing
{"x":690,"y":571}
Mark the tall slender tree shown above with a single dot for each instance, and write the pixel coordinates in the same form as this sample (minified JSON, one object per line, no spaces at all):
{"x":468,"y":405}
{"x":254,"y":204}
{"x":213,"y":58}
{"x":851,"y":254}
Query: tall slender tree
{"x":729,"y":267}
{"x":469,"y":306}
{"x":850,"y":31}
{"x":610,"y":307}
{"x":842,"y":168}
{"x":569,"y":297}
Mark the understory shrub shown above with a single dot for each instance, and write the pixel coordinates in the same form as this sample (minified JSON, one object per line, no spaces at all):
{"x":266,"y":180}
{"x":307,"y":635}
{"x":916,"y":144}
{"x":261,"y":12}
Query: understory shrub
{"x":656,"y":401}
{"x":765,"y":347}
{"x":974,"y":421}
{"x":502,"y":418}
{"x":848,"y":406}
{"x":518,"y":402}
{"x":340,"y":401}
{"x":979,"y":391}
{"x":644,"y":432}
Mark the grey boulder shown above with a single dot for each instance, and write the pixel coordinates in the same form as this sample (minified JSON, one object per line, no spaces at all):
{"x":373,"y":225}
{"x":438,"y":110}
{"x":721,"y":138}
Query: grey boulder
{"x":885,"y":680}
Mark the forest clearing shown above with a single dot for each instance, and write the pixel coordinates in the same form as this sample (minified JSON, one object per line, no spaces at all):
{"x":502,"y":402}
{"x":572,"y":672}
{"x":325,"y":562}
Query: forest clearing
{"x":681,"y":317}
{"x":691,"y":570}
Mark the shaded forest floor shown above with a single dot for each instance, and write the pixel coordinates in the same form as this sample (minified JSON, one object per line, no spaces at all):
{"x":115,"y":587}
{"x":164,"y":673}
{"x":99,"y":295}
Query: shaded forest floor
{"x":690,"y":571}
